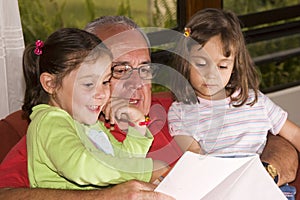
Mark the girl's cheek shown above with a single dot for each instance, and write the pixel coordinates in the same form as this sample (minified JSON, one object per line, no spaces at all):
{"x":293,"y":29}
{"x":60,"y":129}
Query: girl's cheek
{"x":107,"y":91}
{"x":107,"y":94}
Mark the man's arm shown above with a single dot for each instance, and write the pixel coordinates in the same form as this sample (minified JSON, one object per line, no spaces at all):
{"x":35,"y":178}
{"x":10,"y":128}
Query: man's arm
{"x":126,"y":191}
{"x":282,"y":155}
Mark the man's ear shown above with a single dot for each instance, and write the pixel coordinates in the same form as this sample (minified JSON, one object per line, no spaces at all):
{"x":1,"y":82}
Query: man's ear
{"x":48,"y":82}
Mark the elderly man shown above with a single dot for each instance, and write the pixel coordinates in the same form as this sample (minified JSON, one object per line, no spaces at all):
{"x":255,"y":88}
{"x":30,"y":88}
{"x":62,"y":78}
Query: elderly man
{"x":130,"y":81}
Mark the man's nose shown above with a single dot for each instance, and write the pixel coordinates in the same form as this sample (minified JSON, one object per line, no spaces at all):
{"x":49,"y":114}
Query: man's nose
{"x":134,"y":81}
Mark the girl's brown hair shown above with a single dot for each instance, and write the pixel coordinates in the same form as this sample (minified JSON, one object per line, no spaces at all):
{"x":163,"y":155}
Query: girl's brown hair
{"x":62,"y":52}
{"x":204,"y":25}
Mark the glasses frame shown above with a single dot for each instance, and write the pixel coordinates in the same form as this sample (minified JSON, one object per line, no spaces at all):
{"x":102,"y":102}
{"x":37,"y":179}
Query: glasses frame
{"x":128,"y":72}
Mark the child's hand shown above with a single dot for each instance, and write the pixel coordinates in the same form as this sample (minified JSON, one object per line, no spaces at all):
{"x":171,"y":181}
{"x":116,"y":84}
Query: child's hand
{"x":121,"y":112}
{"x":188,"y":143}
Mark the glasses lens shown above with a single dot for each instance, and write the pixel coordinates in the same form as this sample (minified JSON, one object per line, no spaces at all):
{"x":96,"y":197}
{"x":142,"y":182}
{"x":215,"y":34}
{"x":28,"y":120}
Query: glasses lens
{"x":148,"y":71}
{"x":121,"y":71}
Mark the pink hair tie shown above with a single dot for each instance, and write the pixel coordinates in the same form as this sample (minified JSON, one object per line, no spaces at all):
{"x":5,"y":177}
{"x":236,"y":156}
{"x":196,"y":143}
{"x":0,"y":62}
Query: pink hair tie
{"x":38,"y":47}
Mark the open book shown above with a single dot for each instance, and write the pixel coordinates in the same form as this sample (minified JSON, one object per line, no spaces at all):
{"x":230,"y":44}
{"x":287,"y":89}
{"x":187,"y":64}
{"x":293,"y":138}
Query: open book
{"x":197,"y":177}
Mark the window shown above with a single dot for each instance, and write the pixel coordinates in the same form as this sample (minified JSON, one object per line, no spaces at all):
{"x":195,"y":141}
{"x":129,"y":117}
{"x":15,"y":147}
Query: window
{"x":272,"y":32}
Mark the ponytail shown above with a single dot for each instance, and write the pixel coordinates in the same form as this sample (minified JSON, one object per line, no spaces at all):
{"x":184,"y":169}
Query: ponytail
{"x":34,"y":93}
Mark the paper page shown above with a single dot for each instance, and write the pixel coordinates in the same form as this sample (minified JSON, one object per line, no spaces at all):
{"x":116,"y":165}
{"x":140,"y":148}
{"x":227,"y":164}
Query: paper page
{"x":206,"y":177}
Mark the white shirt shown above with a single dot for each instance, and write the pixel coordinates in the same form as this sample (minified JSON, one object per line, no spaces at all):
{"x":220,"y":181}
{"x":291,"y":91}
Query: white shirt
{"x":221,"y":128}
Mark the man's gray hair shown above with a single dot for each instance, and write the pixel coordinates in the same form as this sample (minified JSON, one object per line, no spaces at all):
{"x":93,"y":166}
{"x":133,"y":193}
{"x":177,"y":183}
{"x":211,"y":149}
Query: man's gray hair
{"x":115,"y":20}
{"x":105,"y":20}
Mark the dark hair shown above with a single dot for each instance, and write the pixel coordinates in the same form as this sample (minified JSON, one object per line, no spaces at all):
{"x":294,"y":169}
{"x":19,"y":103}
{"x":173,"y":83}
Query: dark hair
{"x":204,"y":25}
{"x":63,"y":51}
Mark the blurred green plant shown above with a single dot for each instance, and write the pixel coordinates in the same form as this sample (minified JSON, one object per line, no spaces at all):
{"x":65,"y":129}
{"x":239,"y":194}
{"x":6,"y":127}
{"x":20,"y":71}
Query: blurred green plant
{"x":39,"y":18}
{"x":279,"y":73}
{"x":35,"y":22}
{"x":163,"y":15}
{"x":124,"y":9}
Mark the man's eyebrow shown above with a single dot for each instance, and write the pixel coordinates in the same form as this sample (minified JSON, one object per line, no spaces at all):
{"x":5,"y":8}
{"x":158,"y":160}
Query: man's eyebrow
{"x":128,"y":63}
{"x":120,"y":63}
{"x":146,"y":62}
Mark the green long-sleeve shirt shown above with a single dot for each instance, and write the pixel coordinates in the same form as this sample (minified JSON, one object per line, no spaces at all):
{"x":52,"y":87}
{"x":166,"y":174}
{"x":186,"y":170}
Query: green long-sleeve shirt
{"x":61,"y":155}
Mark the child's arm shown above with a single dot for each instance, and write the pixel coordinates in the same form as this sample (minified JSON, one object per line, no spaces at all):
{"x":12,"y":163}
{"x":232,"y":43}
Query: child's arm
{"x":134,"y":145}
{"x":65,"y":153}
{"x":188,"y":143}
{"x":159,"y":169}
{"x":291,"y":132}
{"x":131,"y":120}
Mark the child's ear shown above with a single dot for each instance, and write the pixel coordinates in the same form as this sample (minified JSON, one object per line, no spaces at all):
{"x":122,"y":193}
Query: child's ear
{"x":48,"y":82}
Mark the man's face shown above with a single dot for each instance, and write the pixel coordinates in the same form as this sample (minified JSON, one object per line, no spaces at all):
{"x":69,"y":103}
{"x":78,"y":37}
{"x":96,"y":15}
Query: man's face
{"x":128,"y":48}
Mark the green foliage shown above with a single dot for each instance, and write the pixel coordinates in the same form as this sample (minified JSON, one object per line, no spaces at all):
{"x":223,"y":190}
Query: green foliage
{"x":279,"y":73}
{"x":39,"y":18}
{"x":91,"y":9}
{"x":35,"y":22}
{"x":124,"y":9}
{"x":163,"y":15}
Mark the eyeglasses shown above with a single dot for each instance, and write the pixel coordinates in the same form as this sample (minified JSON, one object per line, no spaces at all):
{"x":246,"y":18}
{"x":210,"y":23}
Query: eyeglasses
{"x":124,"y":71}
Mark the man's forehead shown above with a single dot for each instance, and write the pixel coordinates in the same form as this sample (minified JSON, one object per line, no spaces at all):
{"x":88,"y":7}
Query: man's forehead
{"x":126,"y":39}
{"x":127,"y":45}
{"x":105,"y":31}
{"x":133,"y":58}
{"x":114,"y":34}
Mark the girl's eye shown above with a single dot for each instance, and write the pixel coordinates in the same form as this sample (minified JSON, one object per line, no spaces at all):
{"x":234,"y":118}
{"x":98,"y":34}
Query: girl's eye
{"x":106,"y":83}
{"x":223,"y":67}
{"x":224,"y":64}
{"x":89,"y":85}
{"x":200,"y":64}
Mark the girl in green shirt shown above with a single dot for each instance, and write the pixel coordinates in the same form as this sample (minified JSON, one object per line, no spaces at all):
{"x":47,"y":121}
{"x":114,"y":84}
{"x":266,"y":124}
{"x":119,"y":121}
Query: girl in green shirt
{"x":67,"y":86}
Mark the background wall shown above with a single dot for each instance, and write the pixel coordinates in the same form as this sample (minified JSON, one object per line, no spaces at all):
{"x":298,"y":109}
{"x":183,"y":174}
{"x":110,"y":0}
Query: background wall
{"x":289,"y":100}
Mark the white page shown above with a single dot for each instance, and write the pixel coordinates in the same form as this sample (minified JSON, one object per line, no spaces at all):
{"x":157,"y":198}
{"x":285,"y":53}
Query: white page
{"x":206,"y":177}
